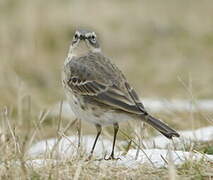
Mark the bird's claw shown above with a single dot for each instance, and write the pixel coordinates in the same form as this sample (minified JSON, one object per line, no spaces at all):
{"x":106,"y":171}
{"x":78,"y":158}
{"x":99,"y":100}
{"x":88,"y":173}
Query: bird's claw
{"x":111,"y":157}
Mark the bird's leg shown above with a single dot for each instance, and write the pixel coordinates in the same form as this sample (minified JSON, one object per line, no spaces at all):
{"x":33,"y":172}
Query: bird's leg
{"x":98,"y":127}
{"x":79,"y":132}
{"x":111,"y":157}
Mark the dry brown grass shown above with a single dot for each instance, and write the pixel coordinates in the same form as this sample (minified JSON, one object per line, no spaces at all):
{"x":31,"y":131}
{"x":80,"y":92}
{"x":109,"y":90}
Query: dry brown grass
{"x":158,"y":44}
{"x":15,"y":162}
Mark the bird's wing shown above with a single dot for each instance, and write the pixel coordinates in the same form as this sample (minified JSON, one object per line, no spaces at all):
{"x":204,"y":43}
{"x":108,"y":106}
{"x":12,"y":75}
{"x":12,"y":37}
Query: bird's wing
{"x":107,"y":86}
{"x":135,"y":97}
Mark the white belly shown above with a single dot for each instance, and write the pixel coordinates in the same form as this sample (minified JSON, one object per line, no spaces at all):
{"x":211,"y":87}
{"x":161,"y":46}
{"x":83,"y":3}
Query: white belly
{"x":97,"y":116}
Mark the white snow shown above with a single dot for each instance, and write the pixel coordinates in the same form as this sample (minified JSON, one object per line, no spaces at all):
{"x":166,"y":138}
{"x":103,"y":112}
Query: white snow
{"x":163,"y":105}
{"x":159,"y":157}
{"x":154,"y":105}
{"x":67,"y":147}
{"x":154,"y":157}
{"x":186,"y":137}
{"x":157,"y":153}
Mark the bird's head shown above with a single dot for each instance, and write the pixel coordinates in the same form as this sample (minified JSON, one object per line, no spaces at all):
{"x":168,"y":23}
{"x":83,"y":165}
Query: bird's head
{"x":84,"y":41}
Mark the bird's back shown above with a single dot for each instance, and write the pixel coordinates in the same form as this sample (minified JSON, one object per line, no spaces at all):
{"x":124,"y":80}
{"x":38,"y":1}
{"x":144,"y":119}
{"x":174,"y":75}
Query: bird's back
{"x":97,"y":67}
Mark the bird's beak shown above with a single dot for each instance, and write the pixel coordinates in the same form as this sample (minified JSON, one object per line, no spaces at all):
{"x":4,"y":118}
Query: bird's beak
{"x":82,"y":37}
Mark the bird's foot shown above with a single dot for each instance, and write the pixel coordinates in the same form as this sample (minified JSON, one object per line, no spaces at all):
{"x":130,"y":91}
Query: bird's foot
{"x":111,"y":157}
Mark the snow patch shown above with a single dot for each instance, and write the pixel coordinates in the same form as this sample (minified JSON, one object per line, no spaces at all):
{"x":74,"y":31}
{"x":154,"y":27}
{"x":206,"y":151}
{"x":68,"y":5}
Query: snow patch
{"x":66,"y":147}
{"x":160,"y":157}
{"x":203,"y":134}
{"x":154,"y":157}
{"x":154,"y":105}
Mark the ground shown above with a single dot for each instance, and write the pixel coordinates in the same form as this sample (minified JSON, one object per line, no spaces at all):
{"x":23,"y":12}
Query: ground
{"x":165,"y":48}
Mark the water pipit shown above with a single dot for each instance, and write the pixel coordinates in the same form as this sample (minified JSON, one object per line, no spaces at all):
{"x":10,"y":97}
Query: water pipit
{"x":98,"y":92}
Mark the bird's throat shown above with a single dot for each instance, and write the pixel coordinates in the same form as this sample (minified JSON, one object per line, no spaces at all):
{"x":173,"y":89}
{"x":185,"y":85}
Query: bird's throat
{"x":81,"y":50}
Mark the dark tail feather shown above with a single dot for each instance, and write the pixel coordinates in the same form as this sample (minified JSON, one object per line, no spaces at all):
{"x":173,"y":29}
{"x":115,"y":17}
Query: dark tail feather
{"x":161,"y":127}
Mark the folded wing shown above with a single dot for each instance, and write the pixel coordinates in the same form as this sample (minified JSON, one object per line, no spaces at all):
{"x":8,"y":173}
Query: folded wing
{"x":105,"y":91}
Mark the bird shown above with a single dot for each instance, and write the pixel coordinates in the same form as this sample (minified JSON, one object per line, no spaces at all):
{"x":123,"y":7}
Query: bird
{"x":99,"y":93}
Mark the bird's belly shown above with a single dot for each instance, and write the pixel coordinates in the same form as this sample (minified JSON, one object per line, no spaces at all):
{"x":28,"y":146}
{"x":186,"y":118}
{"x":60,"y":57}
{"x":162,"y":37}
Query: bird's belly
{"x":95,"y":115}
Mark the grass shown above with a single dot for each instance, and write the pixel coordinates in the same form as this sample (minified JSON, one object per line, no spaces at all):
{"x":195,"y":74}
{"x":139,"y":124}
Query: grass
{"x":164,"y":48}
{"x":89,"y":171}
{"x":17,"y":136}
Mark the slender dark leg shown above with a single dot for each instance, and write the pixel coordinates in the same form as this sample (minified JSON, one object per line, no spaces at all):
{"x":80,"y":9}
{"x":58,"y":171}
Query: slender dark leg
{"x":98,"y":127}
{"x":116,"y":127}
{"x":79,"y":132}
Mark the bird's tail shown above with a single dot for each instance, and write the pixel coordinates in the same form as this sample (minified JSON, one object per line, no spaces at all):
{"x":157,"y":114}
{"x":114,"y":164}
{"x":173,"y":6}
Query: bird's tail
{"x":160,"y":126}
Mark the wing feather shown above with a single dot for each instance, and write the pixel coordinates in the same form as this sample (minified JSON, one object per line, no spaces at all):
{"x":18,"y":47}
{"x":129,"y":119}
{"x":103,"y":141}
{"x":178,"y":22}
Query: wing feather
{"x":112,"y":90}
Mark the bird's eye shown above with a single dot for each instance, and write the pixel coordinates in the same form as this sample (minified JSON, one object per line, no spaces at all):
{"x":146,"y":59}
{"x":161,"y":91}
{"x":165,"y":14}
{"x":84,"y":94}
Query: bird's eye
{"x":76,"y":36}
{"x":93,"y":38}
{"x":75,"y":39}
